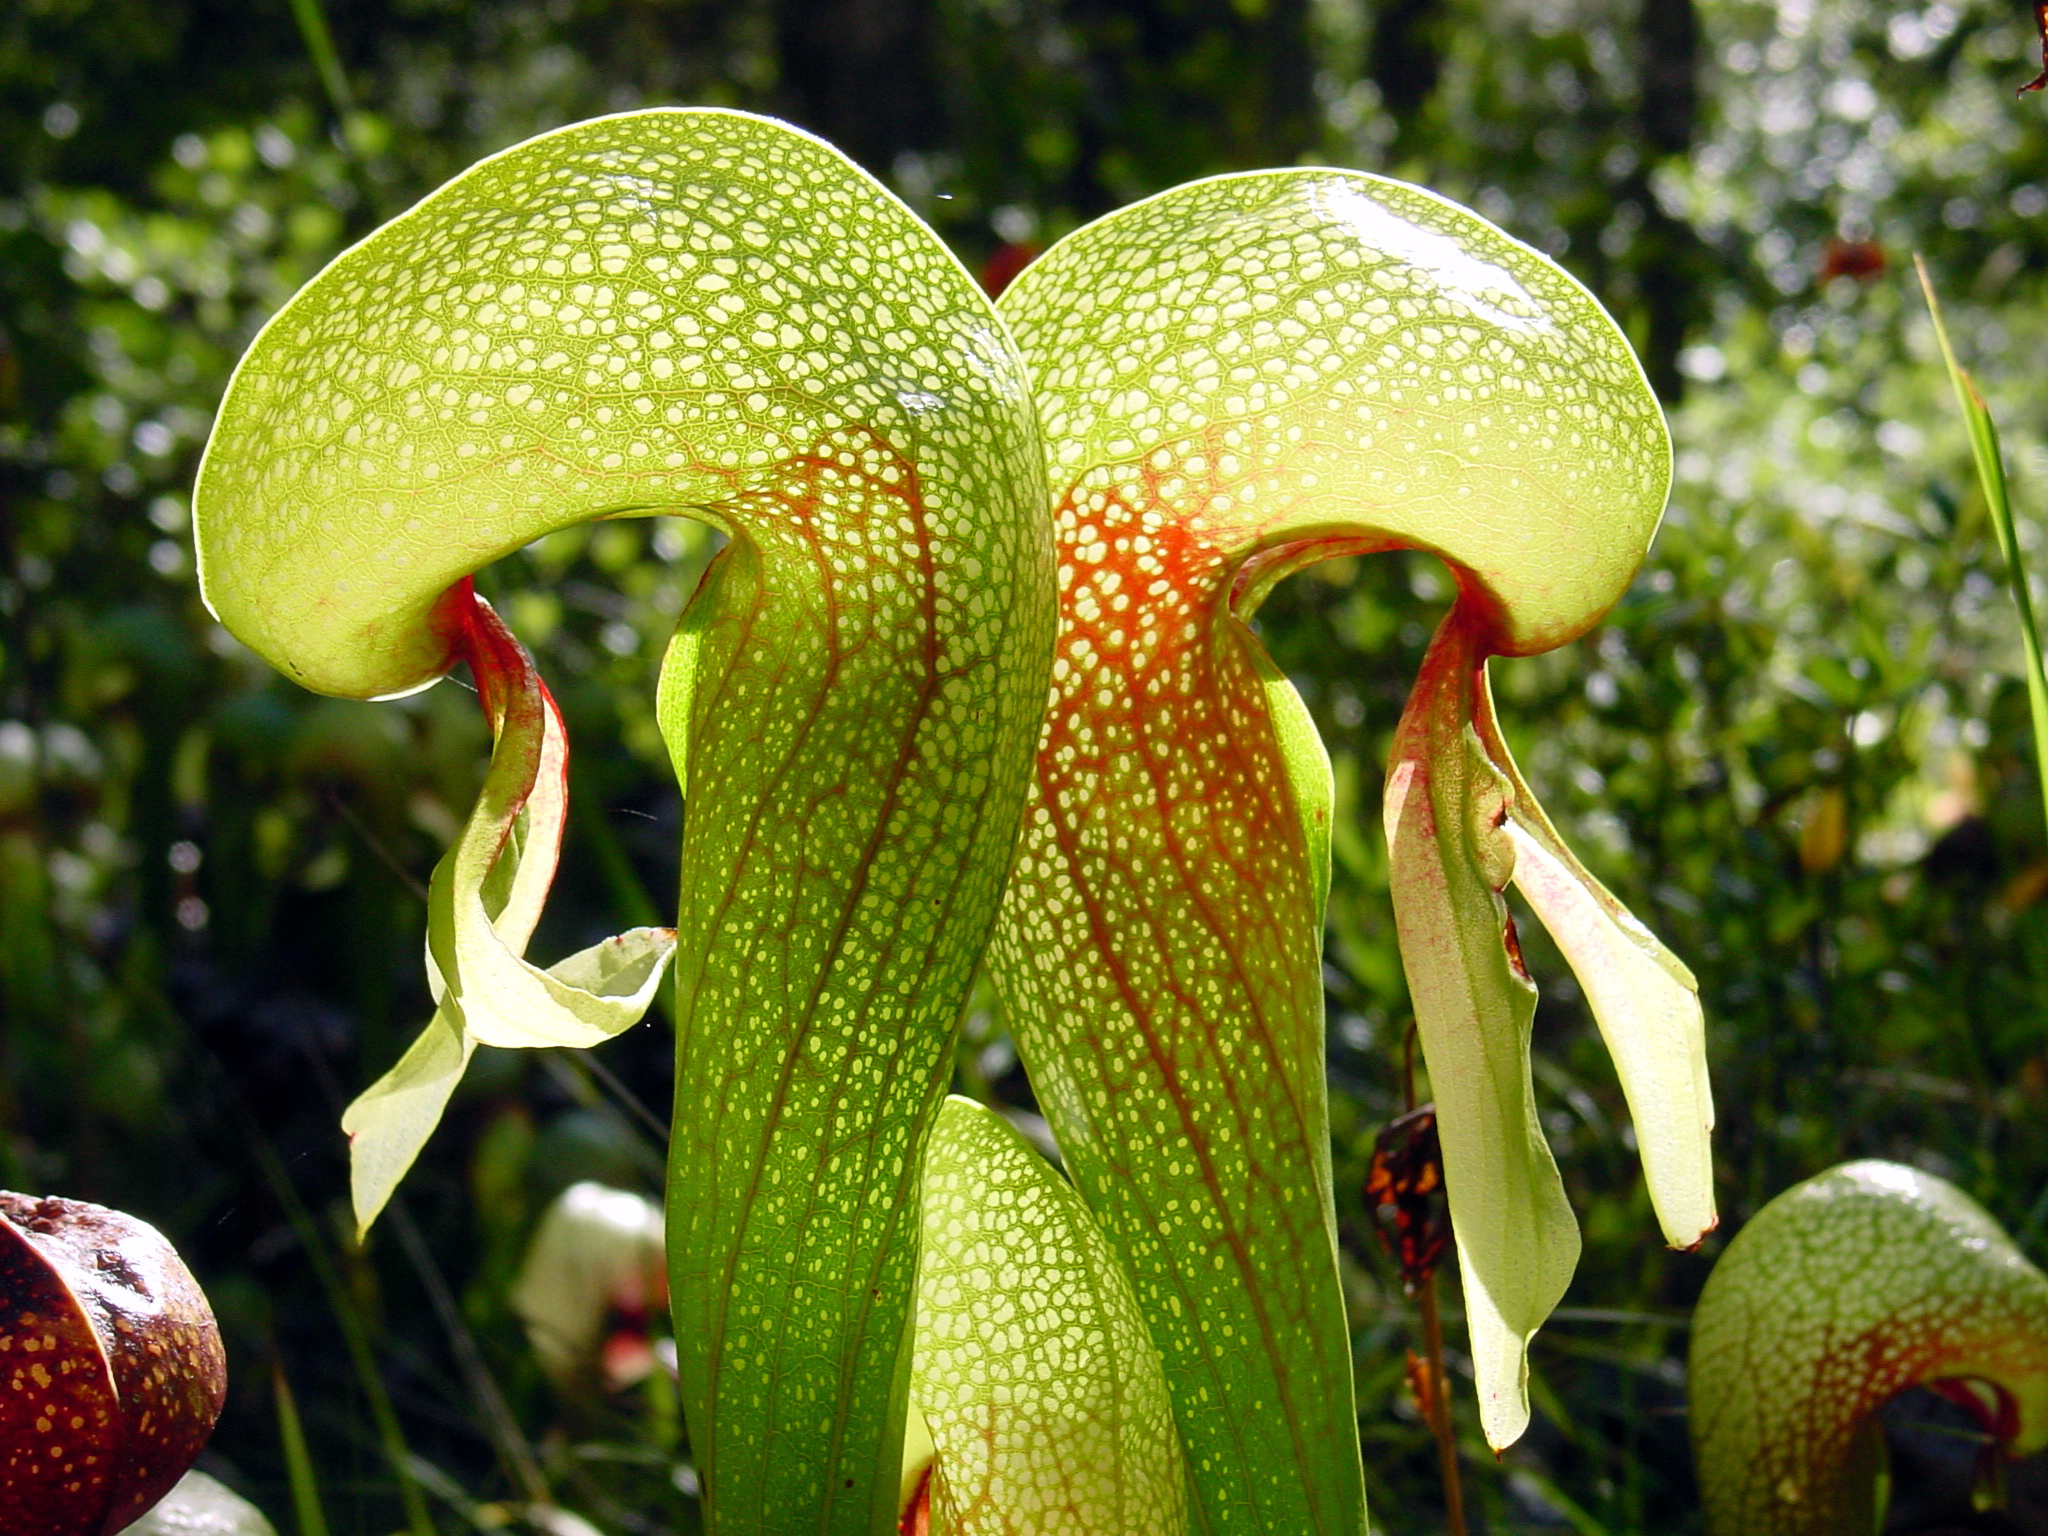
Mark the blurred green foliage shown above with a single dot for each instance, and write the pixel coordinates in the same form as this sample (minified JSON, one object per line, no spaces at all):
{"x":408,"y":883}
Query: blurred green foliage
{"x":1798,"y":748}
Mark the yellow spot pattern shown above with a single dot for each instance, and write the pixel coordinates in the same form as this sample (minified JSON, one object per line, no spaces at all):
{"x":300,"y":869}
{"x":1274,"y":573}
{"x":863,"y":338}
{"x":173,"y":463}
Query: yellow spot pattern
{"x":716,"y":315}
{"x":111,"y":1369}
{"x":1838,"y":1295}
{"x":652,"y":313}
{"x":1235,"y":378}
{"x":1033,"y":1367}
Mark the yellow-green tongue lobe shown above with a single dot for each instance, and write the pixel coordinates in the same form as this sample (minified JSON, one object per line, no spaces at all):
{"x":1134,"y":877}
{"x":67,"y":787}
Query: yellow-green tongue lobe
{"x":1834,"y":1298}
{"x":1033,"y":1369}
{"x":710,"y":314}
{"x":482,"y":904}
{"x":1235,"y":378}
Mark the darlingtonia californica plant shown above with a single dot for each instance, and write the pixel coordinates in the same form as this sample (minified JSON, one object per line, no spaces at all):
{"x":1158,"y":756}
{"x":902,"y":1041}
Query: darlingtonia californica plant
{"x":709,"y":314}
{"x":1833,"y":1299}
{"x":715,"y":315}
{"x":1237,"y":378}
{"x":595,"y":1260}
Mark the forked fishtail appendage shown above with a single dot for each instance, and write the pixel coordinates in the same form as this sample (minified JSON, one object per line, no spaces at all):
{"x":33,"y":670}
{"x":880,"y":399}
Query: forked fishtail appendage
{"x":483,"y":903}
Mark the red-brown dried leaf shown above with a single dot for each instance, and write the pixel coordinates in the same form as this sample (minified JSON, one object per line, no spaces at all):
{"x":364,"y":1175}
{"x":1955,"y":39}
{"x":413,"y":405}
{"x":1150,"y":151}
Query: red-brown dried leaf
{"x":1420,"y":1388}
{"x":1405,"y":1189}
{"x":2040,"y":81}
{"x":113,"y":1363}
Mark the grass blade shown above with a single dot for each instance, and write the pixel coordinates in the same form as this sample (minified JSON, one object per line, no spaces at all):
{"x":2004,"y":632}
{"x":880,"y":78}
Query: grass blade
{"x":298,"y":1461}
{"x":354,"y":1335}
{"x":1991,"y":476}
{"x":312,"y":22}
{"x":499,"y":1425}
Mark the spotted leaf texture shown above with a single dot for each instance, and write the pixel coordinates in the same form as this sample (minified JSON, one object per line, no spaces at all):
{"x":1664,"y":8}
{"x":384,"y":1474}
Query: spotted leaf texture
{"x":112,"y":1367}
{"x":1237,"y":378}
{"x":1838,"y":1295}
{"x":714,"y":315}
{"x":1033,"y":1368}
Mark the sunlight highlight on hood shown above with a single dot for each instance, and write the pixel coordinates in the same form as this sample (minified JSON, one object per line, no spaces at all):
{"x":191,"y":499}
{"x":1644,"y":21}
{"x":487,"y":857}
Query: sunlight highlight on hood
{"x":1470,"y":280}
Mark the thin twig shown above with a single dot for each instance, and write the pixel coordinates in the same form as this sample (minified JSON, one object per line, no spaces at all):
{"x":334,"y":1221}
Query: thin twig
{"x":376,"y":845}
{"x":1439,"y":1405}
{"x":581,"y":1070}
{"x":1440,"y":1409}
{"x":647,"y":1117}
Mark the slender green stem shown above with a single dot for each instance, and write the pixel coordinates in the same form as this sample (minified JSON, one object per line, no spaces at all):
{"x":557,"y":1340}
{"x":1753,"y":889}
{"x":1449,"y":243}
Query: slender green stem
{"x":326,"y":60}
{"x":1991,"y":476}
{"x":298,"y":1460}
{"x":624,"y":1099}
{"x":504,"y":1430}
{"x":391,"y":861}
{"x":354,"y":1336}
